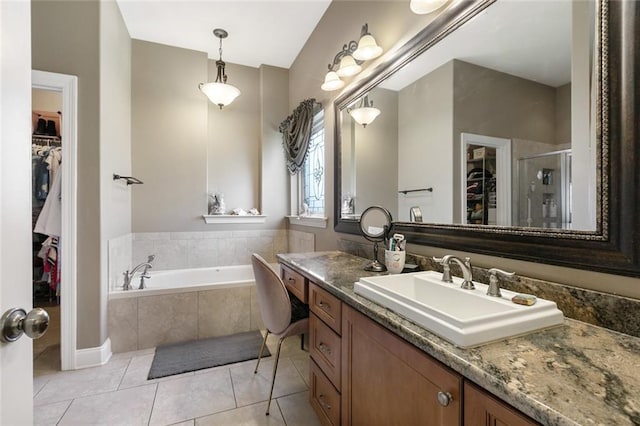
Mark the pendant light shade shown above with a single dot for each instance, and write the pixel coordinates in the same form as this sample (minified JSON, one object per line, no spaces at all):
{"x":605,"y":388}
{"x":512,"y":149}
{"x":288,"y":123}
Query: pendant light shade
{"x":348,"y":67}
{"x":422,"y":7}
{"x":219,"y":92}
{"x":332,"y":82}
{"x":367,"y":48}
{"x":365,"y":113}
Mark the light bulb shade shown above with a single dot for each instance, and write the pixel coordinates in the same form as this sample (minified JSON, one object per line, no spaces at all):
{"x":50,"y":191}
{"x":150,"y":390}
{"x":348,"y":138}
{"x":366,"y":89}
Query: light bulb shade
{"x":221,"y":94}
{"x":364,"y":115}
{"x":348,"y":67}
{"x":367,"y":48}
{"x":332,"y":82}
{"x":422,"y":7}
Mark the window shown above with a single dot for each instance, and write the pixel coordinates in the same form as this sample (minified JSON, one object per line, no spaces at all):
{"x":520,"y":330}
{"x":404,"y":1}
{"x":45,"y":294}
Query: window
{"x":311,"y":176}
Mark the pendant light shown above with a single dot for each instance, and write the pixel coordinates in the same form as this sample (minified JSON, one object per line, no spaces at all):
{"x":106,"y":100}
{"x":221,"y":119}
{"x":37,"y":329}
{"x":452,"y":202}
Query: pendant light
{"x":365,"y":113}
{"x":219,"y":92}
{"x":422,"y":7}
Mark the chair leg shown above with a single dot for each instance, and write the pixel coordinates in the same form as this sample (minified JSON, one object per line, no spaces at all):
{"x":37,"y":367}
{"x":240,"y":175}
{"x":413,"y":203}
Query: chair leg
{"x":264,"y":342}
{"x":273,"y":379}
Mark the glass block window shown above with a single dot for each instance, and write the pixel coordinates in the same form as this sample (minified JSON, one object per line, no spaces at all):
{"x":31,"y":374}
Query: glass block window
{"x":312,"y":178}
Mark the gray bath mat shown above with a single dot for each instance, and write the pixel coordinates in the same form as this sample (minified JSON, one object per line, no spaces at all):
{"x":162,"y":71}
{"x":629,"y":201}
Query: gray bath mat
{"x":199,"y":354}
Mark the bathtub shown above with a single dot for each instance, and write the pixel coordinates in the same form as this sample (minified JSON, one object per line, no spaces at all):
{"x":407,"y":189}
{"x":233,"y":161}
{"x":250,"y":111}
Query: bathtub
{"x":184,"y":304}
{"x":186,"y":280}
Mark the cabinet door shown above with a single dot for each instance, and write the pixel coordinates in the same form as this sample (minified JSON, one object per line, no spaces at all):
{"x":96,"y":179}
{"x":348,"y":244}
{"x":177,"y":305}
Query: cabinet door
{"x":387,"y":381}
{"x":483,"y":409}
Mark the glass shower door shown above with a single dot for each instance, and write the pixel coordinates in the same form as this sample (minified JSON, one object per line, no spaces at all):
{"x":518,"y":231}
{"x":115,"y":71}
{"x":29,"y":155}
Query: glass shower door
{"x":544,"y":190}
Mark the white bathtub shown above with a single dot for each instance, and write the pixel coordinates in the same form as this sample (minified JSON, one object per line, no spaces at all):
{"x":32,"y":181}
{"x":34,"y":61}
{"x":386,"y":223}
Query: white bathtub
{"x":187,"y":280}
{"x":183,"y":304}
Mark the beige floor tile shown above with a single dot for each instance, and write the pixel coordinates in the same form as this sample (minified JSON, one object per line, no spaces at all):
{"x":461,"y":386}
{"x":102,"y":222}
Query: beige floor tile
{"x":75,"y":384}
{"x":138,"y":371}
{"x":301,"y":362}
{"x":191,"y":397}
{"x":250,"y":388}
{"x":297,"y":411}
{"x":125,"y":407}
{"x":187,"y":423}
{"x":47,"y":362}
{"x":129,"y":355}
{"x":251,"y":415}
{"x":49,"y":414}
{"x":39,"y":382}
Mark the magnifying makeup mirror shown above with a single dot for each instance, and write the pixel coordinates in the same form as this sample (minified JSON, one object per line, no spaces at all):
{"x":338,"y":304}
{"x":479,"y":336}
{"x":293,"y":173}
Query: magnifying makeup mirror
{"x":375,"y":223}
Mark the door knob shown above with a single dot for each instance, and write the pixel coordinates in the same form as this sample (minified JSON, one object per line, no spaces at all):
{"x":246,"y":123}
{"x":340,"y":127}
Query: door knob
{"x":16,"y":321}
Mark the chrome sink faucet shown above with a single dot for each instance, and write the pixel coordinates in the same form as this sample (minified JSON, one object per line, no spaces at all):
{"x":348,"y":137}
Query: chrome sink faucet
{"x":465,"y":267}
{"x":128,"y":276}
{"x":494,"y":285}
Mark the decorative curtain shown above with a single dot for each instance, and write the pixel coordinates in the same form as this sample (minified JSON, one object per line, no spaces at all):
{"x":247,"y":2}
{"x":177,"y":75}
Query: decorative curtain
{"x":296,"y":134}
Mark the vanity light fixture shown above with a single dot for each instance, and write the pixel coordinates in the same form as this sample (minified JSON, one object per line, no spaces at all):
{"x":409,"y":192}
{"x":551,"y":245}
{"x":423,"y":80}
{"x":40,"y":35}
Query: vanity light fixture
{"x":367,"y":46}
{"x":365,"y":113}
{"x":347,"y":62}
{"x":422,"y":7}
{"x":219,"y":92}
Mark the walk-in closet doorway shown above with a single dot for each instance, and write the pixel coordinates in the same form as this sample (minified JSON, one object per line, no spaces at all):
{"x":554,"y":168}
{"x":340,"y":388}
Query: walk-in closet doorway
{"x":58,"y":288}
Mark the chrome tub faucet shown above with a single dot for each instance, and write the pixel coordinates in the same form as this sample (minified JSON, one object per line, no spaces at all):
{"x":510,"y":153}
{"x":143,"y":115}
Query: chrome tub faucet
{"x":128,"y":276}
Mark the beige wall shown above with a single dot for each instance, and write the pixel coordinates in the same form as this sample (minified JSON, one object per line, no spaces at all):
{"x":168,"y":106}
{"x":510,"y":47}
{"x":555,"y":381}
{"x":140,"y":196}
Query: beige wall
{"x":168,"y":137}
{"x":376,"y":152}
{"x":426,"y":111}
{"x":306,"y":75}
{"x":233,"y":141}
{"x":115,"y":136}
{"x":57,"y":49}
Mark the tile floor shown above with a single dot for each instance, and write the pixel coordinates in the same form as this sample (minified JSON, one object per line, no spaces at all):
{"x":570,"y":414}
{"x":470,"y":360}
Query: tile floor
{"x":119,"y":393}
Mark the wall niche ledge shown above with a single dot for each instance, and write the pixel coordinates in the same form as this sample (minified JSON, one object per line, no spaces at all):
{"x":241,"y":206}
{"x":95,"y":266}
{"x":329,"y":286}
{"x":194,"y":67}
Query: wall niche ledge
{"x":212,"y":219}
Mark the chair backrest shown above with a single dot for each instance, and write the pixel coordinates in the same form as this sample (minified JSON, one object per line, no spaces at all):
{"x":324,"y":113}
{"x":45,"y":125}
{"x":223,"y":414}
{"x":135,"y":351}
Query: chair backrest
{"x":275,"y":305}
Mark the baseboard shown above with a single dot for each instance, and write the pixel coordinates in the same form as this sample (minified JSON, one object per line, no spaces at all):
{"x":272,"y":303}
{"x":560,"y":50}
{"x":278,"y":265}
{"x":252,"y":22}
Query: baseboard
{"x":93,"y":357}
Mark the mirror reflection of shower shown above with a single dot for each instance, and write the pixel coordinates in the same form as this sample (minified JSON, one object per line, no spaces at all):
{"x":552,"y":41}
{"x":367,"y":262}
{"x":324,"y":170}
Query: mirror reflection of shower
{"x":544,"y":183}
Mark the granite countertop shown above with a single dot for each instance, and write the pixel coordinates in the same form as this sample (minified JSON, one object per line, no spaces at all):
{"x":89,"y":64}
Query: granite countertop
{"x":575,"y":374}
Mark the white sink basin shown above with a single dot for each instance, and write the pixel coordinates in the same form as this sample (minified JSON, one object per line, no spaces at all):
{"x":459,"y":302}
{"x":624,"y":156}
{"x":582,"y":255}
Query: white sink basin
{"x":465,"y":318}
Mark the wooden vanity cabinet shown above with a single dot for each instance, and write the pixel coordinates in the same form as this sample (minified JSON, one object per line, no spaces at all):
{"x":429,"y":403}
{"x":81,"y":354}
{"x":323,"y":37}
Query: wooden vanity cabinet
{"x":295,"y":283}
{"x":325,"y":352}
{"x":483,"y":409}
{"x":386,"y":380}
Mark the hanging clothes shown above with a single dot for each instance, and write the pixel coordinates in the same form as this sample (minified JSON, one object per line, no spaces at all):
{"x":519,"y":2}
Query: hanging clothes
{"x":50,"y":219}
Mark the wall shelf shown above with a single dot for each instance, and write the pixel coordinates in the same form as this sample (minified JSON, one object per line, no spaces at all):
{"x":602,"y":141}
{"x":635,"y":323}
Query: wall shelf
{"x":232,"y":218}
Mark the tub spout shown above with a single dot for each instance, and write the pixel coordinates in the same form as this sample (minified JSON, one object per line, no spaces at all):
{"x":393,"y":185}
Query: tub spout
{"x":128,"y":276}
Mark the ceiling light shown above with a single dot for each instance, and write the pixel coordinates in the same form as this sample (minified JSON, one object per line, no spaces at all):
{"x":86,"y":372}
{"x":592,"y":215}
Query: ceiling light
{"x":367,"y":46}
{"x":332,"y":82}
{"x":348,"y":67}
{"x":219,"y":92}
{"x":426,"y":6}
{"x":365,"y":113}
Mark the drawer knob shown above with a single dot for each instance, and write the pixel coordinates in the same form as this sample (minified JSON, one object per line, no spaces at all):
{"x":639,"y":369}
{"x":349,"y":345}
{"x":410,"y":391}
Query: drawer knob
{"x":324,"y":403}
{"x":324,"y":348}
{"x":324,"y":305}
{"x":444,"y":398}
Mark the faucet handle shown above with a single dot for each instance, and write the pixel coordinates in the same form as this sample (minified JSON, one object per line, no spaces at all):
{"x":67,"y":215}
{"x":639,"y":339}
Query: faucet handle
{"x":439,"y":260}
{"x":150,"y":258}
{"x":494,"y":285}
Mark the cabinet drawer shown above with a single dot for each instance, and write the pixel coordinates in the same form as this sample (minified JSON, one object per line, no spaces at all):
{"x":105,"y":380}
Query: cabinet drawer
{"x":324,"y":398}
{"x":295,"y":283}
{"x":324,"y":347}
{"x":326,"y":306}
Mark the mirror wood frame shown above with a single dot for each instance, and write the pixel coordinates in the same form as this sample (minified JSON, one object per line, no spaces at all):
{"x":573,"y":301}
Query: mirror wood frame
{"x":614,"y":247}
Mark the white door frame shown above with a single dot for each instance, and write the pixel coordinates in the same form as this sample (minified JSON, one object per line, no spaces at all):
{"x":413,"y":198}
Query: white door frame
{"x":503,"y":167}
{"x":67,"y":85}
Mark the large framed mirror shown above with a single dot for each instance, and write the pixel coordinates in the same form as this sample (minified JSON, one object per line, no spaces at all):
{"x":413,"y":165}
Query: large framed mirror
{"x":508,"y":128}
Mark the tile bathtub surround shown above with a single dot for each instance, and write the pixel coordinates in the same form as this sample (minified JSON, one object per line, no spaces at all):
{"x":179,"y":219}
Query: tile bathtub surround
{"x":179,"y":250}
{"x":606,"y":310}
{"x":120,"y":253}
{"x":149,"y":321}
